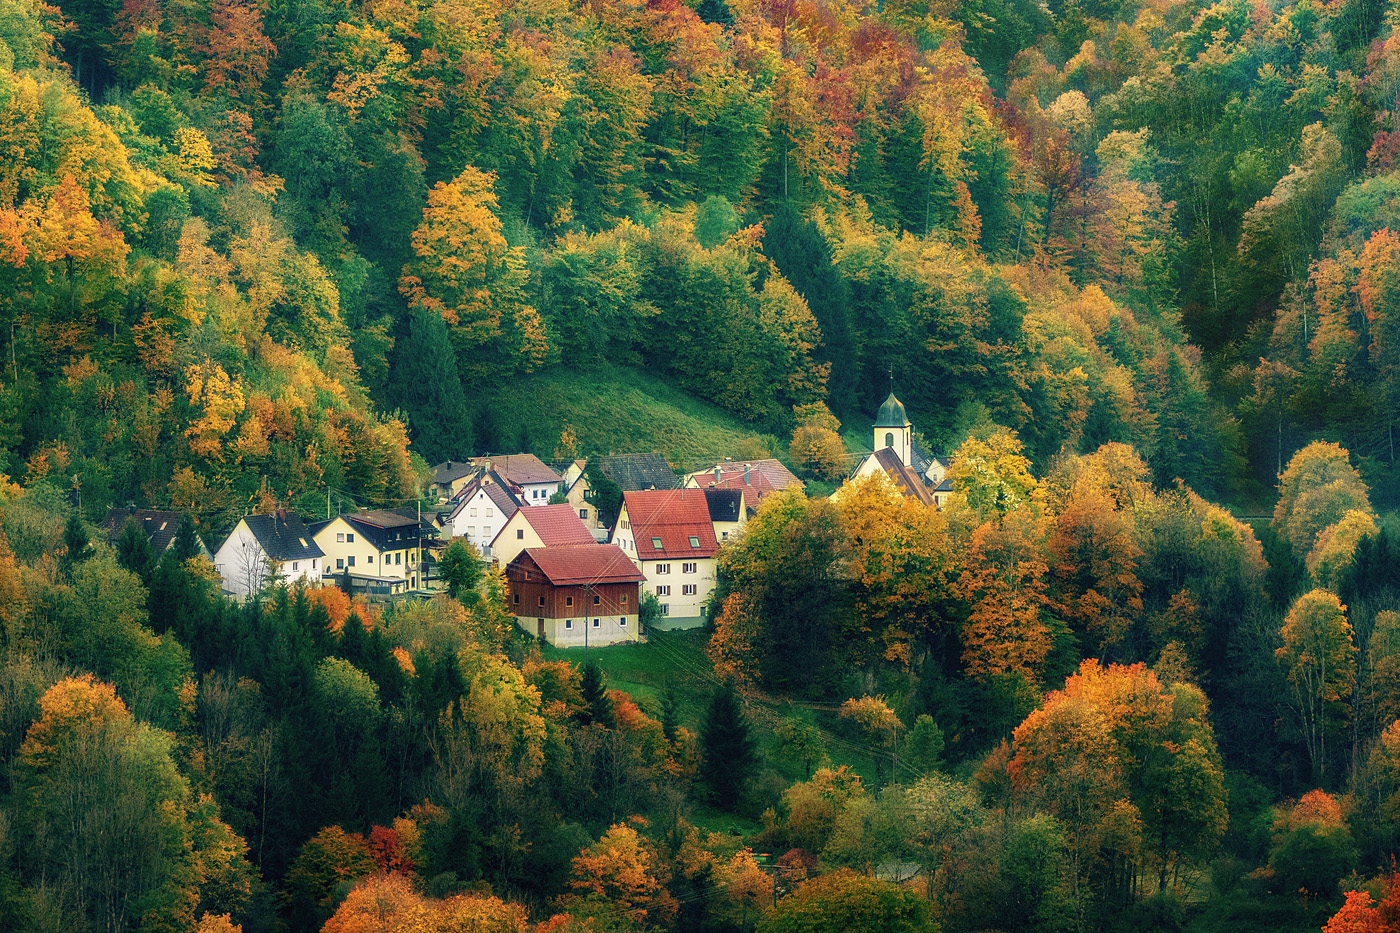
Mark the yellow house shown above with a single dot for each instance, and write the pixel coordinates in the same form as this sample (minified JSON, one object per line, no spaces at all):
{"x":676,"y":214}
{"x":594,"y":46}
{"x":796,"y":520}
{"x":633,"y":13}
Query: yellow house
{"x":541,"y":526}
{"x":382,"y":549}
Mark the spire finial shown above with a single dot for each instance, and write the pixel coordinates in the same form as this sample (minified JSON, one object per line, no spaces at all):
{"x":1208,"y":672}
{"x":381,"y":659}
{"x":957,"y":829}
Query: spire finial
{"x":892,"y":380}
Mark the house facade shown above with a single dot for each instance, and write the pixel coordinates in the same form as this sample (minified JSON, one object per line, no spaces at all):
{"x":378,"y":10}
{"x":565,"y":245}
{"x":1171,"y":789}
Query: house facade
{"x":480,"y":510}
{"x":668,"y":534}
{"x":756,"y":479}
{"x":263,"y":549}
{"x":575,"y":595}
{"x":381,"y":549}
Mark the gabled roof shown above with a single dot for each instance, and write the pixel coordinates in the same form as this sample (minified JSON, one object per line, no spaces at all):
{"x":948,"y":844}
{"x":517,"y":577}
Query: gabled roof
{"x":160,"y":527}
{"x":558,"y":525}
{"x":283,"y":536}
{"x":638,"y":471}
{"x":581,"y":564}
{"x":675,"y":518}
{"x":922,"y":459}
{"x":905,"y":479}
{"x":773,"y":472}
{"x":495,"y":490}
{"x":724,"y":504}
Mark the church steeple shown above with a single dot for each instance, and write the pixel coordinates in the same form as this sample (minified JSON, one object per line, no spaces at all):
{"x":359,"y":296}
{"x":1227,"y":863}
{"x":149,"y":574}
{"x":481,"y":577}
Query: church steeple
{"x":892,"y":429}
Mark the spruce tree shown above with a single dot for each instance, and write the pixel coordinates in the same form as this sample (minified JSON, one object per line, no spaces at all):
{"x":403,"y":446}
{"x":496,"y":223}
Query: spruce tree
{"x":430,"y":390}
{"x":76,"y":546}
{"x":726,"y":747}
{"x":598,"y":705}
{"x":186,"y":543}
{"x":352,"y":641}
{"x":134,"y":551}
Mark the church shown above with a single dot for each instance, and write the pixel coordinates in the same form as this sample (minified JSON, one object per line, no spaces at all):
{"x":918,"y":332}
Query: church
{"x":913,"y":471}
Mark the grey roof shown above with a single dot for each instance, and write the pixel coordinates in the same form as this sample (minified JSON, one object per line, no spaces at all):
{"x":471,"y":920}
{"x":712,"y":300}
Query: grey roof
{"x":160,"y":527}
{"x":923,"y":459}
{"x":497,"y":490}
{"x":633,"y":472}
{"x":724,"y":504}
{"x":905,"y":480}
{"x":452,"y":470}
{"x":892,"y":414}
{"x":283,"y":536}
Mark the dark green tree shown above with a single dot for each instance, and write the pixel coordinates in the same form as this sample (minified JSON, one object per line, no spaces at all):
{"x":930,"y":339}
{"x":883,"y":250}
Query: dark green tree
{"x":352,"y":641}
{"x":598,"y":708}
{"x":430,"y":390}
{"x":607,"y":495}
{"x":134,"y":551}
{"x":670,"y":714}
{"x":186,"y":543}
{"x":76,"y":545}
{"x":726,"y":747}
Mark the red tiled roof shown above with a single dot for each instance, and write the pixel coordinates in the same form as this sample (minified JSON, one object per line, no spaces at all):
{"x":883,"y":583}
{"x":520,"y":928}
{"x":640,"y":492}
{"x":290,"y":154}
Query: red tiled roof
{"x":773,"y":472}
{"x":758,"y":486}
{"x":675,"y":516}
{"x":558,"y":525}
{"x":579,"y":564}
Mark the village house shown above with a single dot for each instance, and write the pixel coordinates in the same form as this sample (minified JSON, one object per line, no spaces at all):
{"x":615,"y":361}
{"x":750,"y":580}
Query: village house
{"x":381,"y":550}
{"x":539,"y":527}
{"x":668,"y":534}
{"x":582,"y":594}
{"x":263,"y":549}
{"x":756,"y":479}
{"x":480,"y":511}
{"x":159,"y":527}
{"x":528,"y":477}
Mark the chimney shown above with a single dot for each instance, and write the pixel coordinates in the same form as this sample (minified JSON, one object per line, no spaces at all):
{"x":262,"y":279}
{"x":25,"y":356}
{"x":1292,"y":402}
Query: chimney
{"x":717,"y":471}
{"x":746,"y":474}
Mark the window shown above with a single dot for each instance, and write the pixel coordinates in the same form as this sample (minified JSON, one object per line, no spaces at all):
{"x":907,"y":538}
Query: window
{"x":541,"y":600}
{"x":472,"y":513}
{"x":313,"y":563}
{"x":724,"y":536}
{"x":656,"y":544}
{"x":349,"y":539}
{"x":350,"y":561}
{"x":663,"y":590}
{"x":597,"y":622}
{"x":689,"y":568}
{"x":568,"y":623}
{"x":597,"y":599}
{"x":294,"y":565}
{"x":471,"y":531}
{"x":582,"y":513}
{"x":663,"y":568}
{"x":626,"y":524}
{"x":688,"y":589}
{"x":624,"y":599}
{"x":665,"y":609}
{"x":489,"y":513}
{"x":398,"y":558}
{"x":568,"y":600}
{"x":889,"y":439}
{"x":694,"y":541}
{"x":622,"y":621}
{"x":520,"y":534}
{"x":340,"y":537}
{"x":515,"y":598}
{"x":339,"y":563}
{"x":370,"y":558}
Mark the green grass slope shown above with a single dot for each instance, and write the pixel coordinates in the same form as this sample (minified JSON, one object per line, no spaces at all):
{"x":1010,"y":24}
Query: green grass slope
{"x":620,"y":410}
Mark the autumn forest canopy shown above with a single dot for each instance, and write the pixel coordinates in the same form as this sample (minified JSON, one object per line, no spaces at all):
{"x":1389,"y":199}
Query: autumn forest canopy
{"x":1134,"y":267}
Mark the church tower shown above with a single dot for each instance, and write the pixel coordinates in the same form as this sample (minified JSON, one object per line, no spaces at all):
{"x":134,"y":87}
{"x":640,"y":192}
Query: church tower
{"x":892,"y":429}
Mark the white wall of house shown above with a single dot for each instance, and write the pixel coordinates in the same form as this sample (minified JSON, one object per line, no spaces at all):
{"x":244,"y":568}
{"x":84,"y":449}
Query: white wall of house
{"x":479,"y":521}
{"x":246,"y":569}
{"x":593,"y":631}
{"x":537,"y":493}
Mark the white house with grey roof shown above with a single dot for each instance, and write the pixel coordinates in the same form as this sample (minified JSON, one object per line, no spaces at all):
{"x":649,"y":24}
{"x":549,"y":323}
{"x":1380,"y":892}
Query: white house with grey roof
{"x":263,"y":549}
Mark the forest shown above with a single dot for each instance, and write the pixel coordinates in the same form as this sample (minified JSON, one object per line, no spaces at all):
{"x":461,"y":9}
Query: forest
{"x":1135,"y":267}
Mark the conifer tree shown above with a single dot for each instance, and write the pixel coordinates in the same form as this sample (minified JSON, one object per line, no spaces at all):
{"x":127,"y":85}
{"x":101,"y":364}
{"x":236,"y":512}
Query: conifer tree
{"x":430,"y":389}
{"x":726,"y":747}
{"x":352,"y":641}
{"x":76,"y":547}
{"x":599,"y":707}
{"x":670,"y":714}
{"x":134,"y":551}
